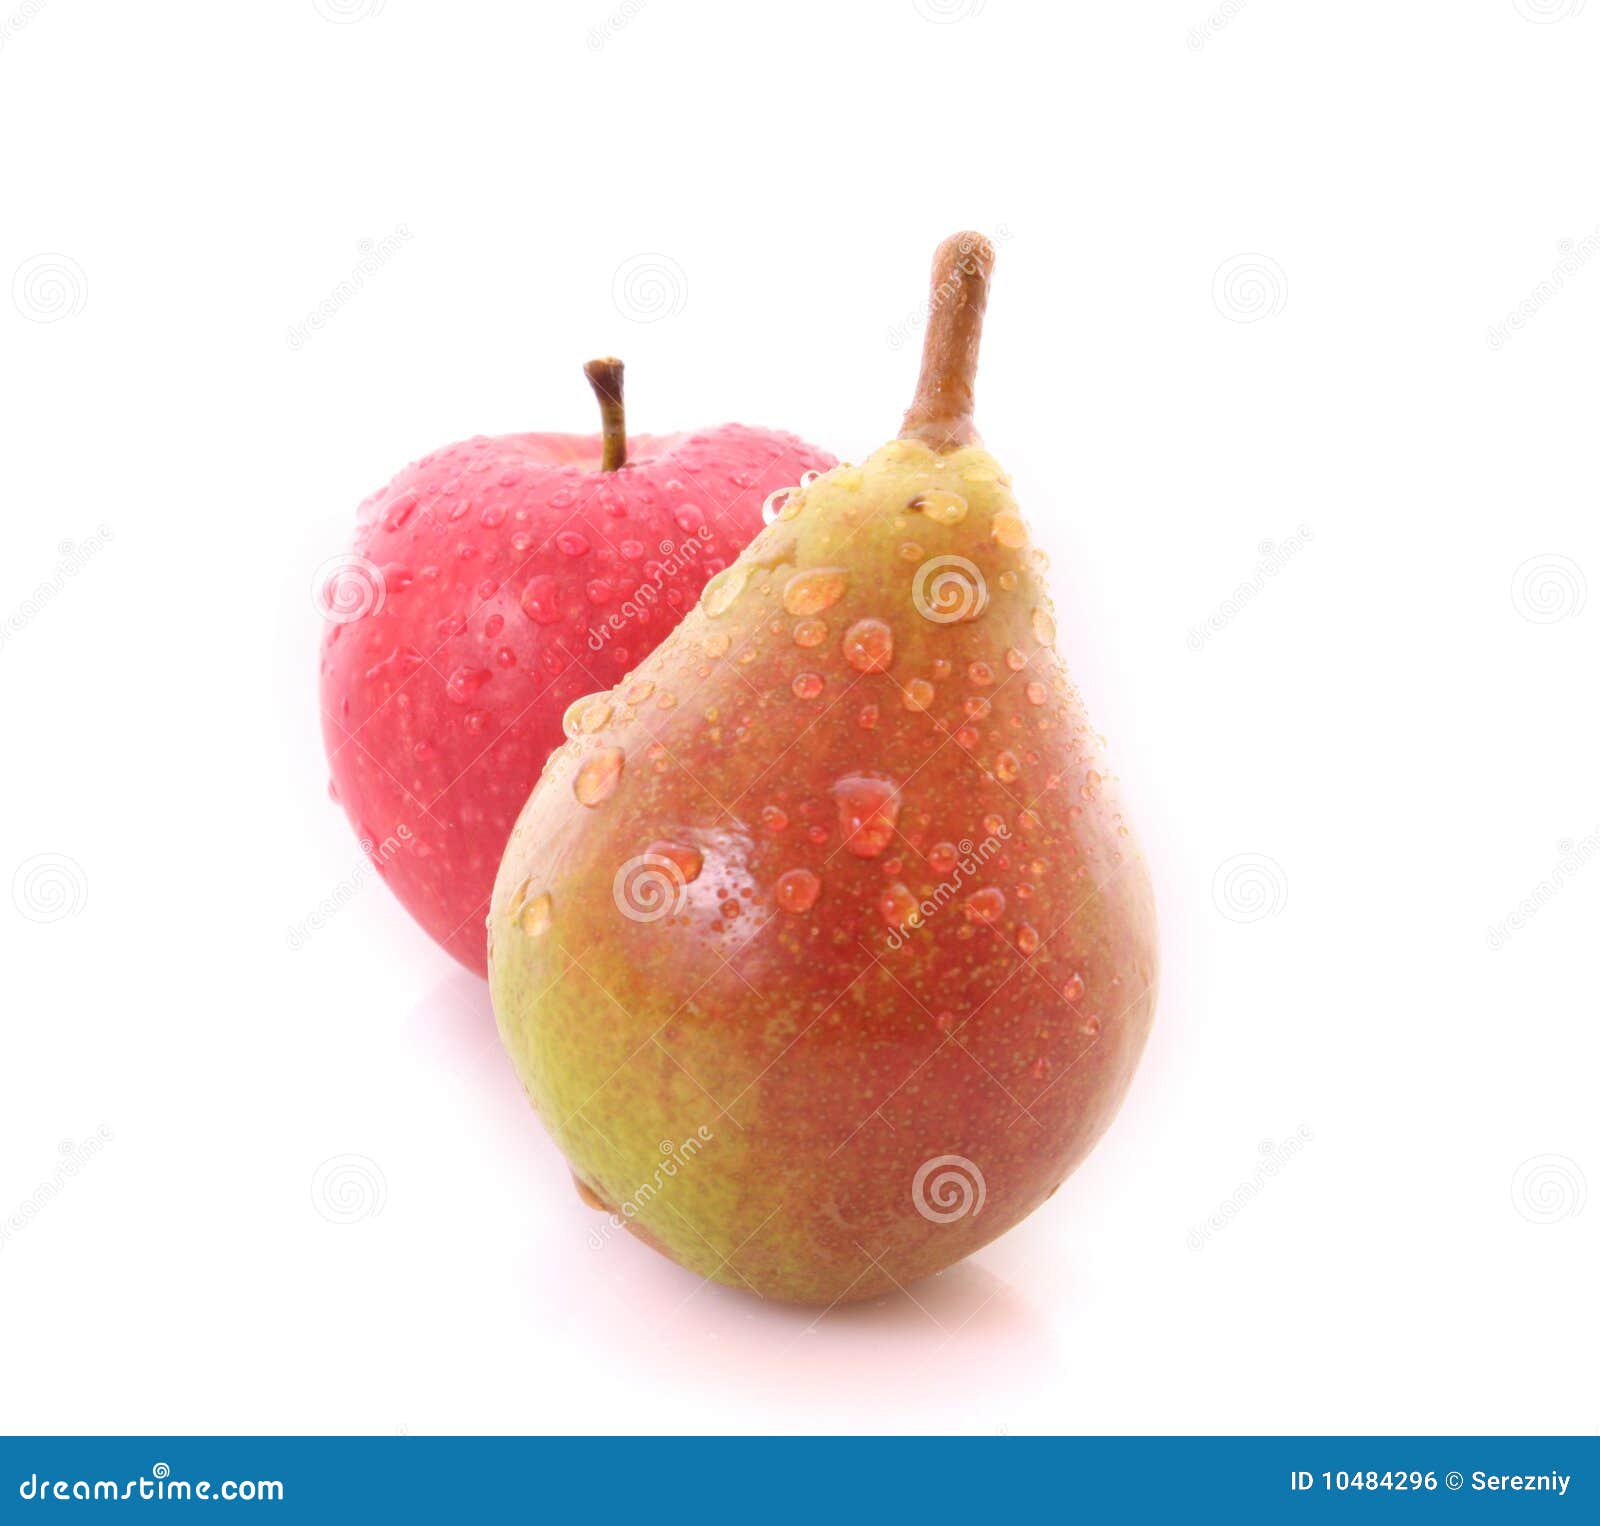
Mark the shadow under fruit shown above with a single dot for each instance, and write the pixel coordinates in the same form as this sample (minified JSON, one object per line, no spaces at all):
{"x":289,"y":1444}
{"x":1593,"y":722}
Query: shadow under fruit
{"x":822,"y":946}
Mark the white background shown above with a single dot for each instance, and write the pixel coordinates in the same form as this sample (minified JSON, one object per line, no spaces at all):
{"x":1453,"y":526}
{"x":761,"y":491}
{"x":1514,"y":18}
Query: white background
{"x":1249,"y":264}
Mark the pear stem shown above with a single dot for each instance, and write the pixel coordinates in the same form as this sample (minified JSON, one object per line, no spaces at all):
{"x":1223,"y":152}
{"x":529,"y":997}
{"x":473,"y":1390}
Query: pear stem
{"x":605,"y":376}
{"x":940,"y":414}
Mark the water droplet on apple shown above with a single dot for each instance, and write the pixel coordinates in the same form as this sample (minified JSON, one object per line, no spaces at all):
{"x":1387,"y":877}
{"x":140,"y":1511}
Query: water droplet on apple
{"x":1044,"y":626}
{"x":807,"y":685}
{"x":464,"y":682}
{"x":810,"y":632}
{"x":541,"y":599}
{"x":400,"y":511}
{"x":918,"y":694}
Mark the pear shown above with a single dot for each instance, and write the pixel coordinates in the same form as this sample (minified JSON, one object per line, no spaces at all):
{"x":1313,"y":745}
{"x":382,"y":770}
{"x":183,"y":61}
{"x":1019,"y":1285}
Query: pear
{"x":822,"y":947}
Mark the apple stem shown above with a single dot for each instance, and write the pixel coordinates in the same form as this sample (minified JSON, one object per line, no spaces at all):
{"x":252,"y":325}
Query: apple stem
{"x":940,"y":414}
{"x":605,"y":376}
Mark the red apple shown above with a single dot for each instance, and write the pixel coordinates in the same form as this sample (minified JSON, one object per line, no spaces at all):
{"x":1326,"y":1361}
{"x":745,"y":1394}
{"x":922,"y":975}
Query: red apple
{"x":492,"y":583}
